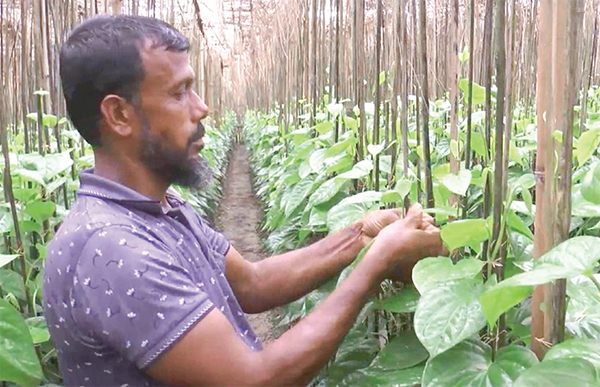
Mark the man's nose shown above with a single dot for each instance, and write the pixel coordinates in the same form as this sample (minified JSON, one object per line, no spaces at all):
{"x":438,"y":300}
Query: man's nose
{"x":199,"y":108}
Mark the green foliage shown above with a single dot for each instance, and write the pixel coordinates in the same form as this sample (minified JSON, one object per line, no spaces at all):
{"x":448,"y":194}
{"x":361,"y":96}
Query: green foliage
{"x":311,"y":185}
{"x":469,"y":232}
{"x":572,"y":258}
{"x":470,"y":364}
{"x":18,"y":361}
{"x":449,"y":313}
{"x":571,"y":363}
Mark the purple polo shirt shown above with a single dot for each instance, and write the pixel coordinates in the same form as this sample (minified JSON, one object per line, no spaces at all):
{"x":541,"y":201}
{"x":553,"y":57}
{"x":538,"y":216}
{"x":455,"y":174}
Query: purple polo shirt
{"x":124,"y":281}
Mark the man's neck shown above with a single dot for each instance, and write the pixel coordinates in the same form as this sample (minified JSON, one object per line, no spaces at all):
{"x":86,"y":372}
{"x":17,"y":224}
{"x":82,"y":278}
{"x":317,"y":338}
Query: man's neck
{"x":130,"y":173}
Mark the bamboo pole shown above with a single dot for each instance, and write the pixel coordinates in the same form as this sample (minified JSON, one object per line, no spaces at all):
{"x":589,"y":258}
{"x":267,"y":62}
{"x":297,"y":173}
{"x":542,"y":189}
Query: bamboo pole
{"x":544,"y":170}
{"x":469,"y":98}
{"x":425,"y":103}
{"x":313,"y":62}
{"x":376,"y":136}
{"x":454,"y":159}
{"x":587,"y":70}
{"x":498,"y":232}
{"x":357,"y":61}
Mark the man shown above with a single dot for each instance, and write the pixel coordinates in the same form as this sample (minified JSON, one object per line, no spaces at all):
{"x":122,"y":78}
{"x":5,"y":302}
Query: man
{"x":140,"y":290}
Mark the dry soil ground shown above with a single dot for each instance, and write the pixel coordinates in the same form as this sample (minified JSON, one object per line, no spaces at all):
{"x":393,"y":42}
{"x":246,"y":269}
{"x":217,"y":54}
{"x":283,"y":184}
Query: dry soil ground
{"x":238,"y":218}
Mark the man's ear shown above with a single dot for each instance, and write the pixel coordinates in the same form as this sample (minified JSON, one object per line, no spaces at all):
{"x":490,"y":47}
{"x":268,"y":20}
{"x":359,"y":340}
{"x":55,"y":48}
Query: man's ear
{"x":118,"y":114}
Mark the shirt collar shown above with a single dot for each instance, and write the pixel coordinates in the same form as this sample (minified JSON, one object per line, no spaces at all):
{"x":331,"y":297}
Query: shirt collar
{"x":103,"y":188}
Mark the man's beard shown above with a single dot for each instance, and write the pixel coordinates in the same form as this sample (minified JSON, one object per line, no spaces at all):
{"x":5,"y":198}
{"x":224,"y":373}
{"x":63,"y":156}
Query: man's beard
{"x":172,"y":165}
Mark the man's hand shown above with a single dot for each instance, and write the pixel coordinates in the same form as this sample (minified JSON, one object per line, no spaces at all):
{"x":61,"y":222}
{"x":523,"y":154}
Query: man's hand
{"x":375,"y":221}
{"x":405,"y":241}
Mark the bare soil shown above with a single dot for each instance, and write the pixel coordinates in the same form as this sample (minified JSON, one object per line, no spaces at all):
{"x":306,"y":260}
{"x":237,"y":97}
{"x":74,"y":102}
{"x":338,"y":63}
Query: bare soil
{"x":238,"y":218}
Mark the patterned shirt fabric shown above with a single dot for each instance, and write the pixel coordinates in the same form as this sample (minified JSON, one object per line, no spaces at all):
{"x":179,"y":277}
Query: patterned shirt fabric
{"x":124,"y":281}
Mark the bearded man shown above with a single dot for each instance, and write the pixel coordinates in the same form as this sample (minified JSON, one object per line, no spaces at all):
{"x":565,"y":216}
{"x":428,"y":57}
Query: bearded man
{"x":139,"y":290}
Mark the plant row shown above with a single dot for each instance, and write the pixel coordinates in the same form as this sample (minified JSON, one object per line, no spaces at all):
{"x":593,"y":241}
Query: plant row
{"x":443,"y":329}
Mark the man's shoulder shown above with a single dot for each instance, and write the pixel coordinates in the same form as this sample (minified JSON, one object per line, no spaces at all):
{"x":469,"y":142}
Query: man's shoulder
{"x":88,"y":216}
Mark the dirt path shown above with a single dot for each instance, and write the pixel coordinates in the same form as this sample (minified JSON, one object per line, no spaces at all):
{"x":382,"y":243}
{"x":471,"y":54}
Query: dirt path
{"x":238,"y":218}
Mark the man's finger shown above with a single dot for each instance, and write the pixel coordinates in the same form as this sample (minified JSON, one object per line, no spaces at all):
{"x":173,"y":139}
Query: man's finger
{"x":428,"y":218}
{"x":414,"y":216}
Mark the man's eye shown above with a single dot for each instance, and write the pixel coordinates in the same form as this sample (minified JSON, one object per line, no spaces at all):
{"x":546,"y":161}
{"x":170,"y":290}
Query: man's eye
{"x":181,"y":94}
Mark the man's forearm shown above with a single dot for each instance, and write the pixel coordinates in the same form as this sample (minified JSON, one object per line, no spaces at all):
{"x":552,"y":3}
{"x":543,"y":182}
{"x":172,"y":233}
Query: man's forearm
{"x":298,"y":355}
{"x":287,"y":277}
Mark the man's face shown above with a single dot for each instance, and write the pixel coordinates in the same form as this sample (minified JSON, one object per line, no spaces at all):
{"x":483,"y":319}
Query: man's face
{"x":170,"y":112}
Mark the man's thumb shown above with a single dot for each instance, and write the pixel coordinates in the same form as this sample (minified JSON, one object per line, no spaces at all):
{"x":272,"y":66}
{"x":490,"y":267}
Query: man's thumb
{"x":414,"y":216}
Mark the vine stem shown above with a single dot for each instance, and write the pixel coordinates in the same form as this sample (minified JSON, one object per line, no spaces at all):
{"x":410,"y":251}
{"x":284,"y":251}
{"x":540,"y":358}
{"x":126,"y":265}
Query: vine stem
{"x":595,"y":281}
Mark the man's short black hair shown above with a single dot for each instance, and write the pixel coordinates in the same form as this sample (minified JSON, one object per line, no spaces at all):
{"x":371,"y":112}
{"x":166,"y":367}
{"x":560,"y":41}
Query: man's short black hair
{"x":101,"y":57}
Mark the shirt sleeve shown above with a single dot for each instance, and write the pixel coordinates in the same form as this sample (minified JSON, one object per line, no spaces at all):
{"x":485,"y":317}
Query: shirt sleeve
{"x":217,"y":240}
{"x":135,"y":295}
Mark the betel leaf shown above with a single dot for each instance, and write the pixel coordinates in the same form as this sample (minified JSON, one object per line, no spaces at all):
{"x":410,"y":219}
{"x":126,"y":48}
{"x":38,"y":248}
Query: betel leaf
{"x":363,"y":197}
{"x":458,"y":184}
{"x":300,"y":191}
{"x":49,"y":120}
{"x":335,"y":109}
{"x":403,"y":351}
{"x":18,"y":361}
{"x":403,"y":302}
{"x":478,"y":144}
{"x":351,"y":209}
{"x":341,"y":216}
{"x":29,"y":175}
{"x":495,"y":303}
{"x":560,"y":372}
{"x":590,"y":185}
{"x":325,"y":191}
{"x":517,"y":224}
{"x":6,"y":223}
{"x":403,"y":187}
{"x":577,"y":255}
{"x":583,"y":309}
{"x":391,"y":196}
{"x":351,"y":123}
{"x":469,"y":364}
{"x":304,"y":169}
{"x":342,"y":164}
{"x":406,"y":377}
{"x":56,"y":183}
{"x":12,"y":282}
{"x":356,"y":351}
{"x":317,"y":217}
{"x":317,"y":159}
{"x":324,"y":127}
{"x":581,"y":207}
{"x":430,"y":272}
{"x":374,"y":150}
{"x":574,"y":257}
{"x":38,"y":329}
{"x":586,"y":145}
{"x":449,"y":313}
{"x":7,"y":258}
{"x":48,"y":166}
{"x":361,"y":169}
{"x":478,"y":91}
{"x":40,"y":210}
{"x":385,"y":163}
{"x":456,"y":148}
{"x":464,"y":55}
{"x":399,"y":363}
{"x":587,"y":349}
{"x":340,"y":146}
{"x":468,"y":232}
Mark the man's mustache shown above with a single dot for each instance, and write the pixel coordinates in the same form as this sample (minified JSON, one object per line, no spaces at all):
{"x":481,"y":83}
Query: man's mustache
{"x":197,"y":135}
